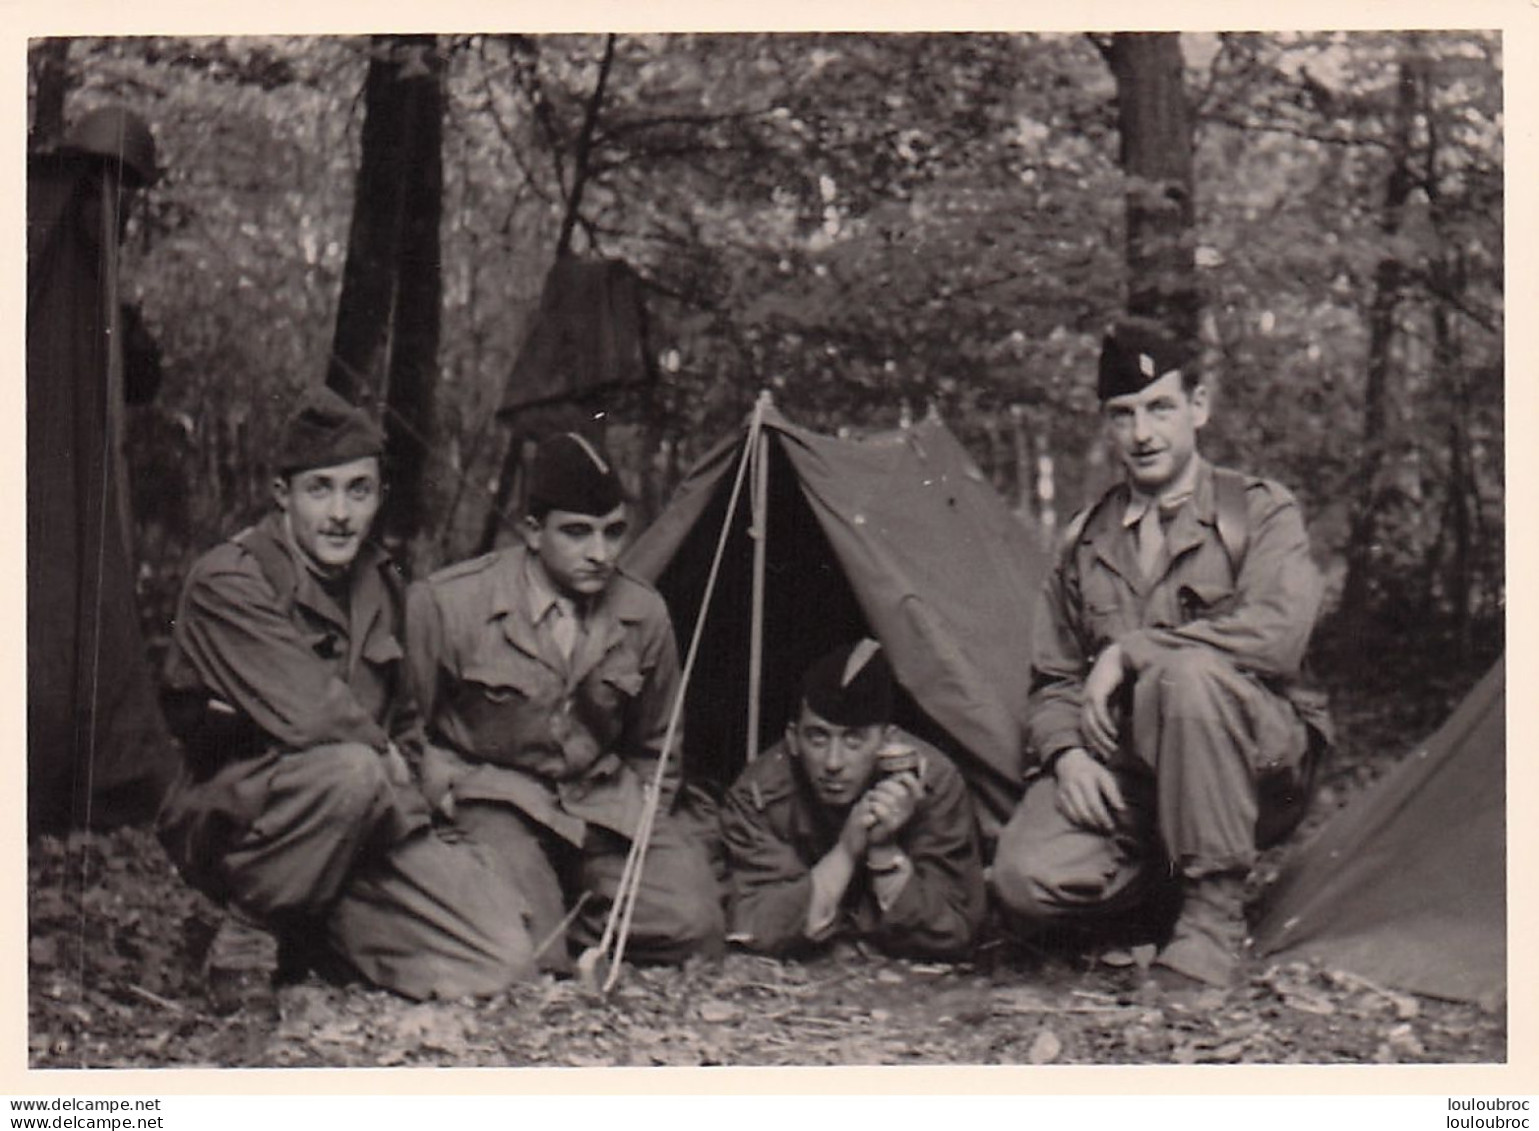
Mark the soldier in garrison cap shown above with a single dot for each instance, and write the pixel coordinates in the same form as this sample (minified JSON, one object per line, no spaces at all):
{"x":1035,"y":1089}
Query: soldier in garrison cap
{"x":851,"y":827}
{"x":547,"y":675}
{"x":1169,"y":729}
{"x":296,"y":809}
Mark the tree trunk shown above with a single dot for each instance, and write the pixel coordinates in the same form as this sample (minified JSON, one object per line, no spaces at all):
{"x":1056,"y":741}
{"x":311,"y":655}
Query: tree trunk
{"x":1449,"y":284}
{"x":413,"y":376}
{"x":388,"y":317}
{"x":1389,"y":279}
{"x":1155,"y":123}
{"x":50,"y":71}
{"x":360,"y":343}
{"x":502,"y":495}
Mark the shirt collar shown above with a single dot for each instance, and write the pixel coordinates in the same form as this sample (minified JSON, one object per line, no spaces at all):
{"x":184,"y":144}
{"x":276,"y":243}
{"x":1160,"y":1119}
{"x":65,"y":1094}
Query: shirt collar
{"x":1170,"y":502}
{"x":332,"y":599}
{"x":542,"y":596}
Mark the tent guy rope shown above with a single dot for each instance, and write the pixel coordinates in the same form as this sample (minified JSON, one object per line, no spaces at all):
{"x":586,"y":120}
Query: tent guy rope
{"x":598,"y":967}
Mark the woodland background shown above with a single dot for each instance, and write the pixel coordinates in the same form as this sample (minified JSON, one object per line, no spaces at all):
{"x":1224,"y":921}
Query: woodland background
{"x":869,"y":226}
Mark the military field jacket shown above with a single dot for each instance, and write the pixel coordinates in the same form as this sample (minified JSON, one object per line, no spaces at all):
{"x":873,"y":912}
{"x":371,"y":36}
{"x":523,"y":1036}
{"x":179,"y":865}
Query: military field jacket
{"x":259,"y":642}
{"x":775,"y":831}
{"x":567,"y":741}
{"x":1259,"y":617}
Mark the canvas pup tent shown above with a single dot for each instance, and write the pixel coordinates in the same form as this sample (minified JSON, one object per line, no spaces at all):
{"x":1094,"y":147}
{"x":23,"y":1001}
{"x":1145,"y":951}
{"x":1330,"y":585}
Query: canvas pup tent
{"x":781,"y":544}
{"x":897,"y":535}
{"x":1407,"y":886}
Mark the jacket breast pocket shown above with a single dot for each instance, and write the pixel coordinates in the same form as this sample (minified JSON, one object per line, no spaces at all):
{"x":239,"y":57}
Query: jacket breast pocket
{"x":327,"y":644}
{"x":1200,"y":600}
{"x":616,"y":682}
{"x":516,"y":681}
{"x":1103,"y":610}
{"x":381,"y":649}
{"x":507,"y":708}
{"x":379,"y":676}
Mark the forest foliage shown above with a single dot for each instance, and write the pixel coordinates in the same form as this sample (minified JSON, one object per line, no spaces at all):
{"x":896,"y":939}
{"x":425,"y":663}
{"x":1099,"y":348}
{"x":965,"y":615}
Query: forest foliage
{"x":869,"y":226}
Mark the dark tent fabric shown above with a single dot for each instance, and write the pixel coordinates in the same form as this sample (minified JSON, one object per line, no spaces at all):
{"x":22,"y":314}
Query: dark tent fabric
{"x":897,"y":535}
{"x":589,"y":334}
{"x":97,"y":746}
{"x":1408,"y":885}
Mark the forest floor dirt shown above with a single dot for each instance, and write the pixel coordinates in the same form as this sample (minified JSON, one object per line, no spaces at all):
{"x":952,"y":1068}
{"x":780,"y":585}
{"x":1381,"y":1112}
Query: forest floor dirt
{"x":115,"y":942}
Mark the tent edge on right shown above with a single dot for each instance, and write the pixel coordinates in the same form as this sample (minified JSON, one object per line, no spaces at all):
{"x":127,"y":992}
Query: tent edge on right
{"x":1407,"y":885}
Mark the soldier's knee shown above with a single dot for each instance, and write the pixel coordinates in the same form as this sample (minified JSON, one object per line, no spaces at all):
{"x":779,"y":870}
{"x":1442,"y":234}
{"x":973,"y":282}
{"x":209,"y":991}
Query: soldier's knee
{"x":349,"y":780}
{"x":702,"y":925}
{"x":1020,"y":889}
{"x":1016,"y":875}
{"x":1189,"y":676}
{"x":695,"y":919}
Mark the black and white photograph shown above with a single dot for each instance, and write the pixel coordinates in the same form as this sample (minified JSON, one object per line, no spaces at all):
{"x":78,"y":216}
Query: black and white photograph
{"x":766,"y":549}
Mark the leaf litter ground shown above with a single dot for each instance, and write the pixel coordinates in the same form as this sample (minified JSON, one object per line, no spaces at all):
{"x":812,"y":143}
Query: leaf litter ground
{"x":115,"y":942}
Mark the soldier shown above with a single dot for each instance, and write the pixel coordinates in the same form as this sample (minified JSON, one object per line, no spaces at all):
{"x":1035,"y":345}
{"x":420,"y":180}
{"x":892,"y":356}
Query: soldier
{"x":296,"y":808}
{"x":851,"y":827}
{"x":1170,"y":727}
{"x":546,"y":676}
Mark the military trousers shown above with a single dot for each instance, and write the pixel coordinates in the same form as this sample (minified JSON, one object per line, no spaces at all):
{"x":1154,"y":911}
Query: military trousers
{"x":320,"y":842}
{"x":678,"y":910}
{"x":1205,"y":751}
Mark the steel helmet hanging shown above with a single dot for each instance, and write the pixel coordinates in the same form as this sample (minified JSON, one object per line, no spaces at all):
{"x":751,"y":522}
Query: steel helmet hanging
{"x":114,"y":132}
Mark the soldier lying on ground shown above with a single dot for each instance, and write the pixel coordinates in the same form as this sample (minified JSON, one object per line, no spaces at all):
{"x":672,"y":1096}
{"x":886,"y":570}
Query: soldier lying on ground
{"x":850,"y":827}
{"x":1170,"y":725}
{"x":296,"y":809}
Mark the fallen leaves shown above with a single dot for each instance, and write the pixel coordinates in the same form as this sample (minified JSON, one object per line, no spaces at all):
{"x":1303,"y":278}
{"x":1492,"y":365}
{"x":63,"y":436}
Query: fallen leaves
{"x":1400,"y":1043}
{"x":718,"y":1012}
{"x":113,"y":954}
{"x":1029,"y":1000}
{"x":1045,"y":1048}
{"x":1375,"y":997}
{"x":43,"y":952}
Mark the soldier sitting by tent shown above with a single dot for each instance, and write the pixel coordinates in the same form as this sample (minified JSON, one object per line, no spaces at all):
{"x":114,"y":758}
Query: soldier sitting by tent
{"x":852,"y":827}
{"x":547,"y":677}
{"x":1166,"y":709}
{"x":296,"y":809}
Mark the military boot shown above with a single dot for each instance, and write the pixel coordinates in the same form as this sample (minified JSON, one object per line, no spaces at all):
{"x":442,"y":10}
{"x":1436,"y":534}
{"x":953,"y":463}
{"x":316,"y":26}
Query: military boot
{"x":241,"y":966}
{"x":1209,"y":935}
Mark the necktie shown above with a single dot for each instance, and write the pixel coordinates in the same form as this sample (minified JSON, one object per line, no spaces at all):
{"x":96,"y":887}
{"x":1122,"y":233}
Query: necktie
{"x":563,"y":629}
{"x":1151,"y":541}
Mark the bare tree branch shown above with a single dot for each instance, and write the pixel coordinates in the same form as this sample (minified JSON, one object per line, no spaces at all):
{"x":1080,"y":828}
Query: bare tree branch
{"x":1295,"y":131}
{"x":585,"y":150}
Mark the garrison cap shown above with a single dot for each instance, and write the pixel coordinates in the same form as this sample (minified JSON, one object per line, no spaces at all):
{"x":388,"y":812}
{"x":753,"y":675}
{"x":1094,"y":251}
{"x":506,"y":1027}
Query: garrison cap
{"x":852,"y":686}
{"x":1136,"y":352}
{"x":326,"y":430}
{"x":572,"y":473}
